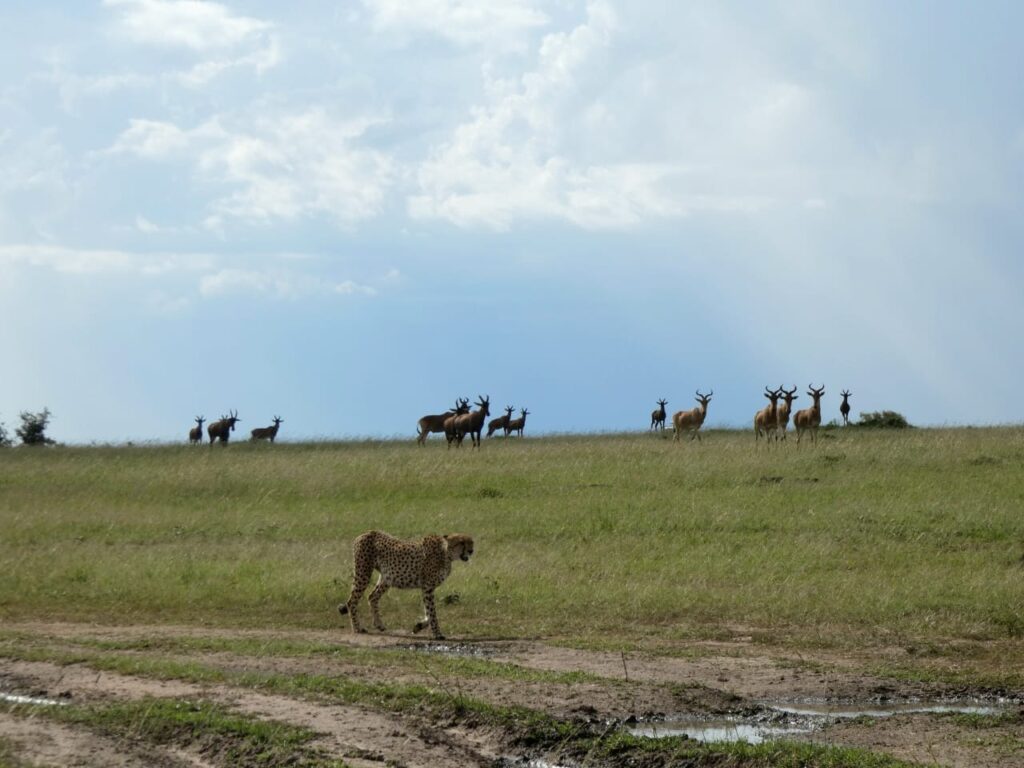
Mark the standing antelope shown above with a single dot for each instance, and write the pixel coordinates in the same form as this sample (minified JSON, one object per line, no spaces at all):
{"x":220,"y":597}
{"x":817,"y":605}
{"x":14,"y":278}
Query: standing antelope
{"x":516,"y":425}
{"x":783,"y":409}
{"x":195,"y":435}
{"x":809,"y":418}
{"x":471,"y":423}
{"x":501,"y":422}
{"x":658,"y":416}
{"x":766,"y":420}
{"x":266,"y":433}
{"x":222,"y":429}
{"x":691,"y":421}
{"x":844,"y":409}
{"x":429,"y":424}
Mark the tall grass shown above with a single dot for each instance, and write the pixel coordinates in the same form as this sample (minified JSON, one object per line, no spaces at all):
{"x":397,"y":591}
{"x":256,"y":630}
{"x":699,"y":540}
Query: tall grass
{"x":910,"y":533}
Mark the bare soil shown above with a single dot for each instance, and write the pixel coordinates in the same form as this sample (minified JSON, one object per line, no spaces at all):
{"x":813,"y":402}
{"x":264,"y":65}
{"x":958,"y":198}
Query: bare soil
{"x":702,"y":678}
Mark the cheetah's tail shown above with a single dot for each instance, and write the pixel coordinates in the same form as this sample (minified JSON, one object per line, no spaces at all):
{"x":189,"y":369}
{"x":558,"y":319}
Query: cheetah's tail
{"x":343,"y":609}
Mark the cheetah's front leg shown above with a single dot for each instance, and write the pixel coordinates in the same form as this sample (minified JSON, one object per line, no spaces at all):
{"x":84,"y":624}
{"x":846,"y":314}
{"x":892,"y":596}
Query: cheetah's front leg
{"x":375,"y":596}
{"x":430,"y":617}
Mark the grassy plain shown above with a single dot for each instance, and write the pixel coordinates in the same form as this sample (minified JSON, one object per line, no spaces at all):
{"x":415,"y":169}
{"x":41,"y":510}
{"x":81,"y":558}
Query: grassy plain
{"x":872,"y":536}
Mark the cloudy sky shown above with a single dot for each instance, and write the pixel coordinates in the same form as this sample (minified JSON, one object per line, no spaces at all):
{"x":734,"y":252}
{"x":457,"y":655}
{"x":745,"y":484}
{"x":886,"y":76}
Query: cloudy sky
{"x":348,"y":213}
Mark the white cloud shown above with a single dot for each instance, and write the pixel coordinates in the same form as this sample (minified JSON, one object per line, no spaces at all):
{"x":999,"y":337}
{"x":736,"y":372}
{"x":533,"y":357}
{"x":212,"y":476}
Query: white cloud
{"x":275,"y":283}
{"x":496,"y":23}
{"x":92,"y":261}
{"x":151,"y":139}
{"x":193,"y":24}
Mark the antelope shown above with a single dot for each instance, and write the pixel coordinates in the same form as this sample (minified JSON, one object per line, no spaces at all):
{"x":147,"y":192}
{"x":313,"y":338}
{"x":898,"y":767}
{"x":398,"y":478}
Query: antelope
{"x":809,"y":418}
{"x":266,"y":433}
{"x":429,"y":424}
{"x":471,"y":423}
{"x":844,"y":409}
{"x":766,"y":420}
{"x":691,"y":420}
{"x":195,"y":435}
{"x":501,"y":422}
{"x":222,"y":429}
{"x":658,"y":416}
{"x":783,"y":409}
{"x":516,"y":425}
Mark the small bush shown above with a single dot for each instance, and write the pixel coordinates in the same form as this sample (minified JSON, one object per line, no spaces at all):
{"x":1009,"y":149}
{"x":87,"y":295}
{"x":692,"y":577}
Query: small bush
{"x":33,"y":428}
{"x":883,"y":419}
{"x":5,"y":439}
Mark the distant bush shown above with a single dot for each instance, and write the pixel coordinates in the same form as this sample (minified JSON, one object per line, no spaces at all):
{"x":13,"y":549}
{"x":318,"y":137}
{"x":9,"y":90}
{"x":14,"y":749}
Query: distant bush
{"x":5,"y":439}
{"x":884,"y":419}
{"x":33,"y":428}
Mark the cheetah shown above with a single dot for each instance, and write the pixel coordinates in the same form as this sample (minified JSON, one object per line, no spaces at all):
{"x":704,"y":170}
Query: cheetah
{"x":423,"y":564}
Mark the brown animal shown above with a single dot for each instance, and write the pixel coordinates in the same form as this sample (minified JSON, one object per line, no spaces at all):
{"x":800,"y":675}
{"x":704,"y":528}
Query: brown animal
{"x":766,"y":420}
{"x":471,"y":423}
{"x":783,"y":410}
{"x":809,"y":418}
{"x":195,"y":435}
{"x":691,"y":421}
{"x":501,"y":422}
{"x":429,"y":424}
{"x":423,"y":565}
{"x":517,"y":425}
{"x":222,"y":428}
{"x":658,"y":416}
{"x":266,"y":433}
{"x":844,"y":409}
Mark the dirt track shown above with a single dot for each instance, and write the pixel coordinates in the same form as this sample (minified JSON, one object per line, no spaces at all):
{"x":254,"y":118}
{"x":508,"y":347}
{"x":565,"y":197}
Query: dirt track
{"x":710,"y":678}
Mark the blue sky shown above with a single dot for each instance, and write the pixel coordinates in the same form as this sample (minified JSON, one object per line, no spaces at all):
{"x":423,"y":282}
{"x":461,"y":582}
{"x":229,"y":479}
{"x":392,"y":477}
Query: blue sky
{"x":350,"y":213}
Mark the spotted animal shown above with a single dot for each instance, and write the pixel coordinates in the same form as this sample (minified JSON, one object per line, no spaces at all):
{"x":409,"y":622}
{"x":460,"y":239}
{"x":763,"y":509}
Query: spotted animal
{"x":423,"y":564}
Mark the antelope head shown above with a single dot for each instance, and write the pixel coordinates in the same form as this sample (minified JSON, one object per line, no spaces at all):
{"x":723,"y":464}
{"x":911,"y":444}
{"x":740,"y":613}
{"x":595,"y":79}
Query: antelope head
{"x":200,"y":420}
{"x":662,"y":404}
{"x":845,"y":394}
{"x":508,"y":410}
{"x":232,"y":418}
{"x":523,"y":413}
{"x":773,"y":395}
{"x":277,"y":420}
{"x":789,"y":395}
{"x":484,"y":401}
{"x":704,"y":399}
{"x":816,"y":394}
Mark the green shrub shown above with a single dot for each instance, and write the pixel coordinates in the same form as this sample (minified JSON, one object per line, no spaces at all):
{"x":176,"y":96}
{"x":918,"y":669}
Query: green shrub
{"x":886,"y":419}
{"x":33,"y":428}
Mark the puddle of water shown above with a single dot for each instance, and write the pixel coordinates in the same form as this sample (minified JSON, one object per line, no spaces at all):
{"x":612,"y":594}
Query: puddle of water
{"x":449,"y":649}
{"x":850,"y":711}
{"x":721,"y":730}
{"x":13,"y":698}
{"x":526,"y":762}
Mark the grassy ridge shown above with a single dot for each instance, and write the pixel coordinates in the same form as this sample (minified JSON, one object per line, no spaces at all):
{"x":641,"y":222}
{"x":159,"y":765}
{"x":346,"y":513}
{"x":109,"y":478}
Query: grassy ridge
{"x":915,"y":533}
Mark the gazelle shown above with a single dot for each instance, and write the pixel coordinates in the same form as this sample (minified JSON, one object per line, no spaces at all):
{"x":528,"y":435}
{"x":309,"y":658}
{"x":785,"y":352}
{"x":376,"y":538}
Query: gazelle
{"x":844,"y":409}
{"x":809,"y":418}
{"x":766,"y":420}
{"x":691,"y":421}
{"x":429,"y":424}
{"x":222,"y":429}
{"x":472,"y":423}
{"x":266,"y":433}
{"x":195,"y":435}
{"x":516,"y":425}
{"x":501,"y":422}
{"x":658,"y":416}
{"x":783,"y":410}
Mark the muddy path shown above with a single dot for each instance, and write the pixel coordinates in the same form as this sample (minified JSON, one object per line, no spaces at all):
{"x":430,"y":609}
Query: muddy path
{"x":734,"y":680}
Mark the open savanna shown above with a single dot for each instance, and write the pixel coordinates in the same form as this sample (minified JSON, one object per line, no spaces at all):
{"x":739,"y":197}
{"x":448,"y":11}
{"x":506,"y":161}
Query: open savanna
{"x":186,"y":598}
{"x":870,"y":535}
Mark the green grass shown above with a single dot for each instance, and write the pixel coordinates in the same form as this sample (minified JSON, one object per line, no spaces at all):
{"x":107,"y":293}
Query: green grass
{"x":882,"y":535}
{"x":225,"y":737}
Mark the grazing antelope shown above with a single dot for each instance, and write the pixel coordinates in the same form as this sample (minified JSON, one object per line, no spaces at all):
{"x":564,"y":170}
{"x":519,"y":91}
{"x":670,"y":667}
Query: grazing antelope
{"x":266,"y":433}
{"x":690,"y":421}
{"x":222,"y":429}
{"x":809,"y":418}
{"x":658,"y":416}
{"x":471,"y":423}
{"x":195,"y":435}
{"x":783,"y":410}
{"x":501,"y":422}
{"x":516,"y":425}
{"x":766,"y":420}
{"x":429,"y":424}
{"x":844,"y":409}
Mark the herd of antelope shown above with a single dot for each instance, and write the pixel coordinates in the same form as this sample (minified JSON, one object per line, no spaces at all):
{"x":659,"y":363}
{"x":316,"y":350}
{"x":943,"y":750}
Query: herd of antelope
{"x":222,"y":428}
{"x":460,"y":421}
{"x":772,"y":421}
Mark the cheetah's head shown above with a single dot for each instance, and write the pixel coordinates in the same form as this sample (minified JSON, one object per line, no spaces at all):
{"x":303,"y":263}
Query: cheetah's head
{"x":459,"y":545}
